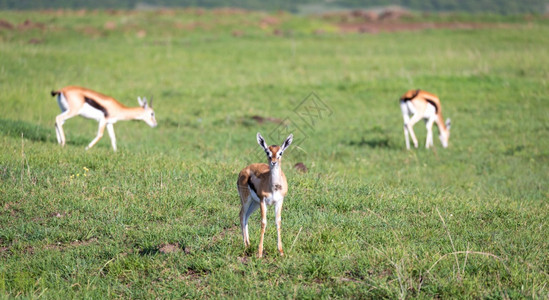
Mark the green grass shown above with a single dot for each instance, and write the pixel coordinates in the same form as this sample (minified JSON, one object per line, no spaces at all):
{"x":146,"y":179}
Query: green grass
{"x":368,"y":220}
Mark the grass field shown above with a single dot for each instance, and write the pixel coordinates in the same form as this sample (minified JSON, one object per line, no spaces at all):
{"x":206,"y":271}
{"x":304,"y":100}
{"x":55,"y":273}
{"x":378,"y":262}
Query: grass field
{"x":159,"y":218}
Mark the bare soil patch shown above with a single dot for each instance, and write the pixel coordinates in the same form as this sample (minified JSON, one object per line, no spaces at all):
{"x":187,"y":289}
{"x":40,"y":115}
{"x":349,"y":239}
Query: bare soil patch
{"x":396,"y":26}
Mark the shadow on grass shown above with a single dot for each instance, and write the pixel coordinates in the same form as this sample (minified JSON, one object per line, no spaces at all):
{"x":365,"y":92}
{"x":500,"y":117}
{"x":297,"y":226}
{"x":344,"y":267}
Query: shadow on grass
{"x":33,"y":132}
{"x":29,"y":131}
{"x":374,"y":137}
{"x":372,"y":143}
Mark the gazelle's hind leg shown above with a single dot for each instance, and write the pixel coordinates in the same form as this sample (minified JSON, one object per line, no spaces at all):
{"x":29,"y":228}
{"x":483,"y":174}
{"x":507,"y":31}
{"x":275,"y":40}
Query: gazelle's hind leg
{"x":410,"y":126}
{"x":406,"y":118}
{"x":247,"y":208}
{"x":66,"y":114}
{"x":253,"y":206}
{"x":406,"y":132}
{"x":59,"y":121}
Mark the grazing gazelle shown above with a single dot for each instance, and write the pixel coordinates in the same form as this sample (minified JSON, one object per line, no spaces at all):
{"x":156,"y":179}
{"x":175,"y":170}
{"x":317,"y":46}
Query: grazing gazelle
{"x":260,"y":185}
{"x":423,"y":105}
{"x":74,"y":100}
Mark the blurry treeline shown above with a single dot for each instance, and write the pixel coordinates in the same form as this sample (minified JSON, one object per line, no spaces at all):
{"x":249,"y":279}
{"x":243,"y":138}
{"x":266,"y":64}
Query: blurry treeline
{"x":296,"y":6}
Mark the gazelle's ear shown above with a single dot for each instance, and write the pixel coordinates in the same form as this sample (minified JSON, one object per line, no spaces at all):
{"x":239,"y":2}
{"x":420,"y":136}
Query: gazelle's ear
{"x":145,"y":105}
{"x":261,"y":141}
{"x":287,"y":142}
{"x":139,"y":101}
{"x":448,"y":123}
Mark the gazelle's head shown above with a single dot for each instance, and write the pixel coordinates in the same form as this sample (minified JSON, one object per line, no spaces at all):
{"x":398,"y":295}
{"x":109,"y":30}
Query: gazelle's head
{"x":148,"y":112}
{"x":445,"y":133}
{"x":274,"y":152}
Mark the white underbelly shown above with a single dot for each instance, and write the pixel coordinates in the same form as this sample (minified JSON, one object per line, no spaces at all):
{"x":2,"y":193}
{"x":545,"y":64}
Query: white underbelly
{"x":408,"y":108}
{"x":430,"y":111}
{"x":88,"y":111}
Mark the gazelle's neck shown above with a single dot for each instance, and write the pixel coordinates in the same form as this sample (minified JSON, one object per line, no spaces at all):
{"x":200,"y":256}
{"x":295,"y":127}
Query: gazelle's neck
{"x":130,"y":113}
{"x":276,"y":175}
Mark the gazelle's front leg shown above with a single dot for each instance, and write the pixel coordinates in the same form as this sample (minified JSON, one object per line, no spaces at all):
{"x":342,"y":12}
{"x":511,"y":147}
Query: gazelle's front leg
{"x":278,"y":218}
{"x":263,"y":207}
{"x":110,"y":130}
{"x":429,"y":140}
{"x":102,"y":124}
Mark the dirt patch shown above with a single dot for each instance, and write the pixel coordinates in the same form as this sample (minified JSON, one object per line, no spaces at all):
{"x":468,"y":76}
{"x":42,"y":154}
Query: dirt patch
{"x":110,"y":25}
{"x":238,"y":33}
{"x":268,"y":21}
{"x":6,"y":25}
{"x":261,"y":120}
{"x":243,"y":259}
{"x":58,"y":214}
{"x":28,"y":24}
{"x":392,"y":20}
{"x":396,"y":26}
{"x":169,"y":248}
{"x":301,"y":167}
{"x":141,"y":33}
{"x":91,"y":31}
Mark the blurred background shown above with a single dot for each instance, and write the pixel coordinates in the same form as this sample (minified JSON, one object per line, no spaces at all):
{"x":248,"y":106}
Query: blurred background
{"x":297,"y":6}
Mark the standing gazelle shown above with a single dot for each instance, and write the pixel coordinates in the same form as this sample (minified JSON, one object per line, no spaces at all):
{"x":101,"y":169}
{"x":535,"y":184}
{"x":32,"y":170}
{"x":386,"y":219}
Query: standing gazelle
{"x":260,"y":185}
{"x":74,"y":100}
{"x":423,"y":105}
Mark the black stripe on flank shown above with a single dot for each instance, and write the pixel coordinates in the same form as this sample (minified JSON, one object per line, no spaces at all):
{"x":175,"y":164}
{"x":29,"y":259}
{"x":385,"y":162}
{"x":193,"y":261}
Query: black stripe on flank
{"x":416,"y":93}
{"x":413,"y":96}
{"x":96,"y":105}
{"x":432,"y":103}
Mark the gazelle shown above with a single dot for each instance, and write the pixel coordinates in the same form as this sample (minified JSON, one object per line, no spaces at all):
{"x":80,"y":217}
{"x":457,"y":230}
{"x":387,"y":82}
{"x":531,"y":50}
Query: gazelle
{"x":260,"y":185}
{"x":423,"y":105}
{"x":74,"y":100}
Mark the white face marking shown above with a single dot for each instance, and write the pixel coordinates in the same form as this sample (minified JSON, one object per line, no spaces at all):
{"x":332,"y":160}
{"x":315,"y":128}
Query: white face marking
{"x":148,"y":117}
{"x":443,"y":141}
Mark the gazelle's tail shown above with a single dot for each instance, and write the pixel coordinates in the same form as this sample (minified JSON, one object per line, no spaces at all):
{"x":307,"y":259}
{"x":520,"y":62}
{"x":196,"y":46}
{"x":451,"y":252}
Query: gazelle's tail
{"x":55,"y":93}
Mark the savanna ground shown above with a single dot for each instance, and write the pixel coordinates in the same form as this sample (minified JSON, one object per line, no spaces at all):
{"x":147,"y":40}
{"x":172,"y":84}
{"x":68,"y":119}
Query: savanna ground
{"x":159,"y":218}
